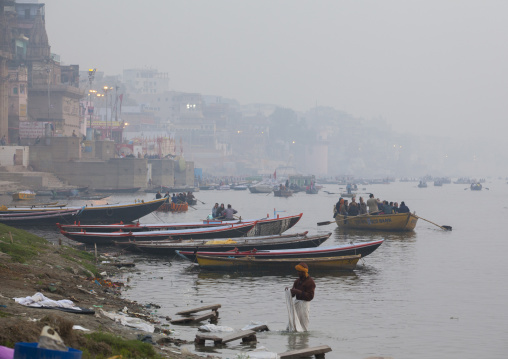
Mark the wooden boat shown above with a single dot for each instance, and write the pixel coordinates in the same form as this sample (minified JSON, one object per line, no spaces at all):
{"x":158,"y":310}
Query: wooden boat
{"x":422,"y":184}
{"x":118,"y":190}
{"x":311,"y":191}
{"x":363,"y":249}
{"x":283,"y":193}
{"x":108,"y":213}
{"x":290,"y":241}
{"x":348,"y":195}
{"x":46,"y":218}
{"x":285,"y":265}
{"x":240,"y":187}
{"x":438,"y":183}
{"x":261,"y":188}
{"x":264,"y":227}
{"x":476,"y":187}
{"x":23,"y":195}
{"x":174,"y":207}
{"x":381,"y":222}
{"x":227,"y":231}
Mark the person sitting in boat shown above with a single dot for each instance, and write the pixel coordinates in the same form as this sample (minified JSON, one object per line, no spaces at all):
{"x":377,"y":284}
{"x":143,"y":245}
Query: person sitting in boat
{"x":189,"y":196}
{"x":158,"y":195}
{"x":337,"y":207}
{"x":214,"y":210}
{"x":174,"y":199}
{"x":372,"y":204}
{"x":403,"y":208}
{"x":362,"y":206}
{"x":353,"y":209}
{"x":387,"y":208}
{"x":344,"y":208}
{"x":396,"y":207}
{"x":229,"y":213}
{"x":220,"y":211}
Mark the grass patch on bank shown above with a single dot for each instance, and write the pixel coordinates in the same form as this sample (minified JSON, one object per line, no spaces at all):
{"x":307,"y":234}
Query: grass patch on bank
{"x":24,"y":246}
{"x":105,"y":345}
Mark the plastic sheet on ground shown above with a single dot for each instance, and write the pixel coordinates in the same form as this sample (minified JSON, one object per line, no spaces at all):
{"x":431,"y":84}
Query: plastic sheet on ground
{"x":262,"y":353}
{"x":215,"y":328}
{"x":129,"y":321}
{"x":38,"y":300}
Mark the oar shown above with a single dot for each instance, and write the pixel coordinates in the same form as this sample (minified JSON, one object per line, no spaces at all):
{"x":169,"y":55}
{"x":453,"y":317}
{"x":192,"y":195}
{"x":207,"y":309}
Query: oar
{"x":330,"y":222}
{"x":200,"y":201}
{"x":444,"y":228}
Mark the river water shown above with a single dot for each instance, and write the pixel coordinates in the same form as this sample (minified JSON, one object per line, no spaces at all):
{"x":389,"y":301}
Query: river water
{"x":423,"y":294}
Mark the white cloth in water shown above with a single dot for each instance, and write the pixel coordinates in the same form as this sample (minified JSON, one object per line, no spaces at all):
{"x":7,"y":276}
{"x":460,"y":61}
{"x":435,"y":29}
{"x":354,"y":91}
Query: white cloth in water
{"x":253,"y":324}
{"x":298,"y":312}
{"x":38,"y":300}
{"x":129,"y":321}
{"x":262,"y":353}
{"x":215,"y":328}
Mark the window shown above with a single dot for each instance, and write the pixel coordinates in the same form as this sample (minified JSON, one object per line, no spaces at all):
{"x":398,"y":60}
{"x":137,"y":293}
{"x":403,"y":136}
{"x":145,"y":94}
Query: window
{"x":15,"y":90}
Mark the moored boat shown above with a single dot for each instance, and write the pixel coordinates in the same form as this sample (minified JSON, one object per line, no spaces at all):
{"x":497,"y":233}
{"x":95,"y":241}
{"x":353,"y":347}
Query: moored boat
{"x":380,"y":222}
{"x":108,"y":213}
{"x":23,"y":195}
{"x":289,"y":241}
{"x":264,"y":226}
{"x":283,"y":265}
{"x":45,"y":218}
{"x":261,"y":188}
{"x":99,"y":238}
{"x":363,"y":249}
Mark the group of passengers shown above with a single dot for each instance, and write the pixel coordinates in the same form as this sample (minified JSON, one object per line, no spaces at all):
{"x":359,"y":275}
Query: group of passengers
{"x":176,"y":198}
{"x":373,"y":206}
{"x":219,"y":212}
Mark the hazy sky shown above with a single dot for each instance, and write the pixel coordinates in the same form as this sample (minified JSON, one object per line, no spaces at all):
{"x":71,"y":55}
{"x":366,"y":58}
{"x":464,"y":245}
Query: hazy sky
{"x":432,"y":66}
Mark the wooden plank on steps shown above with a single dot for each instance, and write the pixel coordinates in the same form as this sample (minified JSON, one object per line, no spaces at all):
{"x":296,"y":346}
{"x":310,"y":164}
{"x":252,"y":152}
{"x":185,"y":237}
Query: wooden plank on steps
{"x":213,"y":307}
{"x":318,"y":351}
{"x":245,"y":335}
{"x":194,"y":319}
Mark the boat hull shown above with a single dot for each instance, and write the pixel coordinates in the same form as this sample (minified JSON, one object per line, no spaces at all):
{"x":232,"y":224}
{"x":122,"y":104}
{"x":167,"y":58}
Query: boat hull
{"x":250,"y":264}
{"x":110,"y":213}
{"x":233,"y":231}
{"x":241,"y":244}
{"x":363,"y":249}
{"x":38,"y":219}
{"x":382,"y":222}
{"x":22,"y":196}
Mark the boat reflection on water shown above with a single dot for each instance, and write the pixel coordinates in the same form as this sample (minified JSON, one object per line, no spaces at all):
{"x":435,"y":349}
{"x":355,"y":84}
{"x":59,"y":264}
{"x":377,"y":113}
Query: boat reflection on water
{"x":284,"y":277}
{"x":358,"y":235}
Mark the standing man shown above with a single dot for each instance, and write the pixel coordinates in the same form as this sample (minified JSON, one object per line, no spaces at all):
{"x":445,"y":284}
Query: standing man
{"x":303,"y":290}
{"x":372,"y":204}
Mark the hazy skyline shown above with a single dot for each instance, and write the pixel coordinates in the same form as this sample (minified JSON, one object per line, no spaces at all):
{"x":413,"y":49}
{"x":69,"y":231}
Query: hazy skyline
{"x":426,"y":67}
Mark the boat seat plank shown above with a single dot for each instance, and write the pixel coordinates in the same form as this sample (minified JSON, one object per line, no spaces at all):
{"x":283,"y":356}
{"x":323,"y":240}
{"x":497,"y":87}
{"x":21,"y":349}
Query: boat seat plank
{"x":194,"y":319}
{"x":318,"y":351}
{"x":213,"y":307}
{"x":245,"y":335}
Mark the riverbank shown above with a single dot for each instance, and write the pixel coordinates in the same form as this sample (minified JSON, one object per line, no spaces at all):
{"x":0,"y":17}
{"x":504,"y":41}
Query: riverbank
{"x":30,"y":265}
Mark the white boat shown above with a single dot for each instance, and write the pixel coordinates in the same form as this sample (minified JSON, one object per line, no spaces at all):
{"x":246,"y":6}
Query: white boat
{"x":261,"y":188}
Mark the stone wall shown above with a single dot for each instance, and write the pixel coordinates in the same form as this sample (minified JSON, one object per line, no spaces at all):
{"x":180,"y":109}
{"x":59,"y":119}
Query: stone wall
{"x":163,"y":172}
